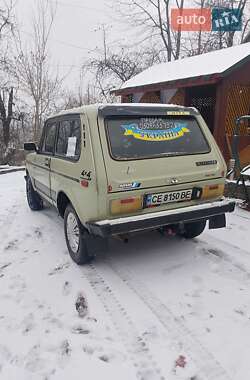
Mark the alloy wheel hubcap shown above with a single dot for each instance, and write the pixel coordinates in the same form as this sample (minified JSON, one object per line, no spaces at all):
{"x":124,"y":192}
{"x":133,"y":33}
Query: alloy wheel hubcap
{"x":73,"y":232}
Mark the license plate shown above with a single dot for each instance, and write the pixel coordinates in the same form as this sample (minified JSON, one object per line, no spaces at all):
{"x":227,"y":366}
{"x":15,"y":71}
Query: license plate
{"x":169,"y":197}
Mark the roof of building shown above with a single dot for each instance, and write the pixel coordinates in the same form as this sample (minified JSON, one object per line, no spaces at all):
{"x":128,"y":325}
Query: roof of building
{"x":216,"y":62}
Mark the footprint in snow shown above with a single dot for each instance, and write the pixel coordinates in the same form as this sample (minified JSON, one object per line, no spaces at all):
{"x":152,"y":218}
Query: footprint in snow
{"x":59,"y":268}
{"x":88,"y":349}
{"x":66,"y":288}
{"x":239,"y":311}
{"x":214,"y":291}
{"x":81,"y":305}
{"x":38,"y":232}
{"x":27,"y":323}
{"x":3,"y":266}
{"x":98,"y":350}
{"x":212,"y":251}
{"x":78,"y":329}
{"x":104,"y":358}
{"x":11,"y":245}
{"x":65,"y":348}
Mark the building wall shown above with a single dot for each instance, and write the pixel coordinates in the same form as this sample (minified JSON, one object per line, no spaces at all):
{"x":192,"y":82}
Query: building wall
{"x":233,"y":100}
{"x":151,"y":97}
{"x":238,"y":96}
{"x":179,"y":97}
{"x":168,"y":96}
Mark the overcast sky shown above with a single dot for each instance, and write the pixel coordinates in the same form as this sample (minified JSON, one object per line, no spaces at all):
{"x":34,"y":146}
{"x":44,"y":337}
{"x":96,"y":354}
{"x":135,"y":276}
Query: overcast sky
{"x":77,"y":30}
{"x":77,"y":23}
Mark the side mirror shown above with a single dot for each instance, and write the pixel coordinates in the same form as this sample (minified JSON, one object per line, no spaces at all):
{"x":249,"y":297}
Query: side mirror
{"x":30,"y":147}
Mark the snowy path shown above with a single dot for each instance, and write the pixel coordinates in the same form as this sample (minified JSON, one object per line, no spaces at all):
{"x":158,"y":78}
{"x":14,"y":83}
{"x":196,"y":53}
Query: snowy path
{"x":150,"y":301}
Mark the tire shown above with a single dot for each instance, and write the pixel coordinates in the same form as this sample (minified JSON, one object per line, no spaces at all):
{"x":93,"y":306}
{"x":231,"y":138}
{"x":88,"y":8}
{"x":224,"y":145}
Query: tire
{"x":76,"y":237}
{"x":35,"y":202}
{"x":193,"y":229}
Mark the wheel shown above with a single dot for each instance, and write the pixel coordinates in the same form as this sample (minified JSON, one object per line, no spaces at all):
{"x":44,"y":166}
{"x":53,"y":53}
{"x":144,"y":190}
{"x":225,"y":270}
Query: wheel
{"x":193,"y":229}
{"x":76,"y":237}
{"x":35,"y":202}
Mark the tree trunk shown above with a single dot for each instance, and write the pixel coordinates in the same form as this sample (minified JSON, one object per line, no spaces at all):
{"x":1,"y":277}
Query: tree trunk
{"x":6,"y":116}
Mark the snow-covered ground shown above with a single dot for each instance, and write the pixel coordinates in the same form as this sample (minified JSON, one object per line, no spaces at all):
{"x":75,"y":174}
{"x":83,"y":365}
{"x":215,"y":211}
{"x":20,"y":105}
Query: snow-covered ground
{"x":9,"y":169}
{"x":158,"y":308}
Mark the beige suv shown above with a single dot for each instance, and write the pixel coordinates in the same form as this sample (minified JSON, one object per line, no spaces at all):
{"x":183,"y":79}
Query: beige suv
{"x":114,"y":169}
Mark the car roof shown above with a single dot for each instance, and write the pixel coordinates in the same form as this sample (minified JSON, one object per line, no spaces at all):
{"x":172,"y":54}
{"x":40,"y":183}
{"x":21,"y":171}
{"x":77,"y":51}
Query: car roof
{"x":94,"y":108}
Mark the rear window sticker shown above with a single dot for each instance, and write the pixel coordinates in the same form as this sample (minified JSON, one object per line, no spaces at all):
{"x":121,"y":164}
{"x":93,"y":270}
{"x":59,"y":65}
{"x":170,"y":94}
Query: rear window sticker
{"x":158,"y":131}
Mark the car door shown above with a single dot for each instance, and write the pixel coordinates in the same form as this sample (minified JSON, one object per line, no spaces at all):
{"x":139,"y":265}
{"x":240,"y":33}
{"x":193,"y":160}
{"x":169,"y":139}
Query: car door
{"x":43,"y":159}
{"x":65,"y":165}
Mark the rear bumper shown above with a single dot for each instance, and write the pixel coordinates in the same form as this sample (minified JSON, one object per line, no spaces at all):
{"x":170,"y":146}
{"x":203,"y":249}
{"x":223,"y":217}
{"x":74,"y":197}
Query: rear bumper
{"x":124,"y":225}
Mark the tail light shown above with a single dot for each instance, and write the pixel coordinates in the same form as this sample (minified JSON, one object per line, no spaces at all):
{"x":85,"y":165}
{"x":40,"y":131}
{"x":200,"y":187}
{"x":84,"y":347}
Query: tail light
{"x":126,"y":205}
{"x":213,"y":191}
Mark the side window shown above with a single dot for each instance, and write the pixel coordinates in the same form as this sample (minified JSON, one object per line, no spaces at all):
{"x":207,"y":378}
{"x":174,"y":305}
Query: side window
{"x":69,"y":139}
{"x":49,"y":138}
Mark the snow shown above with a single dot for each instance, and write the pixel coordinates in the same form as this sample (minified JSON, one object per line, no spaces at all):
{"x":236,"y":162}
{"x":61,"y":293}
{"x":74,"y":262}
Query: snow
{"x":216,"y":62}
{"x":9,"y":169}
{"x":247,"y":182}
{"x":246,"y":171}
{"x":158,"y":307}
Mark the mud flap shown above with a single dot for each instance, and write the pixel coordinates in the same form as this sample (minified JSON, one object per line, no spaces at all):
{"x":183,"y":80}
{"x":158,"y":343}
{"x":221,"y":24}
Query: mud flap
{"x":96,"y":244}
{"x":217,"y":221}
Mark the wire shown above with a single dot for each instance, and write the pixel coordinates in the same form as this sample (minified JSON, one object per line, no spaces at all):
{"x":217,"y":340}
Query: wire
{"x":64,"y":43}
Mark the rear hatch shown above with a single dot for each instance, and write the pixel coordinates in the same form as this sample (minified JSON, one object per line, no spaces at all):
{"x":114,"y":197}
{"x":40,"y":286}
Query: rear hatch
{"x":146,"y":147}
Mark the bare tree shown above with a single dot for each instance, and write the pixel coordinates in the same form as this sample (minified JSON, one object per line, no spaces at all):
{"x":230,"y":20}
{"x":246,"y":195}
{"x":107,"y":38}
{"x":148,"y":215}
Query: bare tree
{"x":151,"y":19}
{"x":246,"y":38}
{"x":32,"y":66}
{"x":111,"y":67}
{"x":223,"y":38}
{"x":78,"y":98}
{"x":7,"y":24}
{"x":6,"y":114}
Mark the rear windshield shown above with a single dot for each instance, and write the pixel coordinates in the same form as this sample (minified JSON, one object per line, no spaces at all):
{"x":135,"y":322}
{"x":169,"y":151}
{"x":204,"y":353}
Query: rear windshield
{"x":148,"y":137}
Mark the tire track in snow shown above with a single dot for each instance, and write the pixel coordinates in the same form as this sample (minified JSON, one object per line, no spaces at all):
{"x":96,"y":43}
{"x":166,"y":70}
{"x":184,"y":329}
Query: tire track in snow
{"x":10,"y":212}
{"x":135,"y":344}
{"x":7,"y":224}
{"x":225,"y":242}
{"x":213,"y":251}
{"x":208,"y":367}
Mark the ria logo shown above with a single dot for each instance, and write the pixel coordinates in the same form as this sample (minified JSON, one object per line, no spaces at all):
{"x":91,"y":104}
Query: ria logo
{"x":226,"y":19}
{"x":206,"y":19}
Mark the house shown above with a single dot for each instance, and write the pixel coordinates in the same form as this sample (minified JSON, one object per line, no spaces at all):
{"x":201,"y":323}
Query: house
{"x":216,"y":83}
